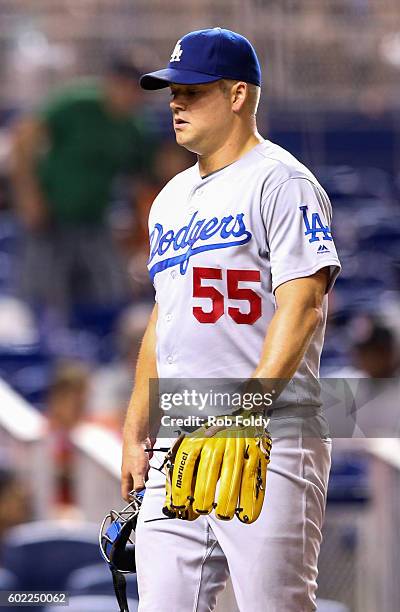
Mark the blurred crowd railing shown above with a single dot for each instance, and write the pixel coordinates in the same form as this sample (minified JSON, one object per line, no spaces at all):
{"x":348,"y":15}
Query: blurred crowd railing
{"x":98,"y":463}
{"x":97,"y":466}
{"x":22,"y":432}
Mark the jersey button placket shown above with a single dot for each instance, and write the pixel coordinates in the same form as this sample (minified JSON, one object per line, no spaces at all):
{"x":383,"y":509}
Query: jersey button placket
{"x":197,"y":193}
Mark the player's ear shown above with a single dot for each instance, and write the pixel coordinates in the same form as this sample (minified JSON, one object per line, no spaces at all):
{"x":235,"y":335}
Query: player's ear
{"x":239,"y":95}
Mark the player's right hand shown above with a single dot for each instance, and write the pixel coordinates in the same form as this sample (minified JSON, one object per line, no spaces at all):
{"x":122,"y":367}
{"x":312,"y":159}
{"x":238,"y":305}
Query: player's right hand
{"x":135,"y":466}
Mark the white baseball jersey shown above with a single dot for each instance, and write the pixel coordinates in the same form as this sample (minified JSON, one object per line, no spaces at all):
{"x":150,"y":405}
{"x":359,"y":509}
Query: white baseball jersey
{"x":219,"y":247}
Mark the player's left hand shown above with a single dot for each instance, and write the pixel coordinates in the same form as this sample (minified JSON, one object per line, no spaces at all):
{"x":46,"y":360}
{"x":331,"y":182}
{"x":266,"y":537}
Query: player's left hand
{"x":235,"y":457}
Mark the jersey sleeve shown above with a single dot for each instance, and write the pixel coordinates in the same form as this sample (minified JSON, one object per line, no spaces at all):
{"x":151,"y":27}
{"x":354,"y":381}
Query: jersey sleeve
{"x":297,"y":216}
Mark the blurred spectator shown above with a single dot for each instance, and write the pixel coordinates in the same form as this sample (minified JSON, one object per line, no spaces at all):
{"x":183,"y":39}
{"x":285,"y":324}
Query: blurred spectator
{"x":376,"y":351}
{"x":111,"y":385}
{"x":66,"y":408}
{"x":169,"y":160}
{"x":376,"y":356}
{"x":66,"y":160}
{"x":15,"y":504}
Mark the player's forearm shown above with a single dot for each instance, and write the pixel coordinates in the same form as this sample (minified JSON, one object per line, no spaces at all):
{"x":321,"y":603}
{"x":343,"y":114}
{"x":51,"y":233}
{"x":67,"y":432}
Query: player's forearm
{"x":30,"y":203}
{"x":137,"y":422}
{"x":27,"y":141}
{"x":299,"y":312}
{"x":288,"y":337}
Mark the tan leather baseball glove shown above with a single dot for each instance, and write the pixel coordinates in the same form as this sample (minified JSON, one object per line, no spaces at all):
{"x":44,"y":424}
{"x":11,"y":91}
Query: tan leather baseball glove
{"x":220,"y":469}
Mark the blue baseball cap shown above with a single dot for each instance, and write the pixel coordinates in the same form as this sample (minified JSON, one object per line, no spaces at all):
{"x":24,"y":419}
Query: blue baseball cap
{"x":204,"y":56}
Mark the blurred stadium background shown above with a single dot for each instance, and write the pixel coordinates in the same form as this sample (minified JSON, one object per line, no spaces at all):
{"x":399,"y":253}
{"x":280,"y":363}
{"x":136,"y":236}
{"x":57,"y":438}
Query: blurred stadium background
{"x":331,"y":96}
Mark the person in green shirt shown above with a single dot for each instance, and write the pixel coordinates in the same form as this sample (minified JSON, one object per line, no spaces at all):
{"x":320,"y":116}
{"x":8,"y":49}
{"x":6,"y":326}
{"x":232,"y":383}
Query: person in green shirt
{"x":66,"y":159}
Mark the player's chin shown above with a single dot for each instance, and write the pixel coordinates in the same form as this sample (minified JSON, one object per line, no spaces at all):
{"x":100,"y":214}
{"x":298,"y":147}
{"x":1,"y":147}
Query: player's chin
{"x":182,"y":138}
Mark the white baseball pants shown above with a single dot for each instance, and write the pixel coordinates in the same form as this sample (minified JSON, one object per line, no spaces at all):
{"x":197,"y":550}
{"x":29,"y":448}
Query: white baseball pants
{"x":182,"y":566}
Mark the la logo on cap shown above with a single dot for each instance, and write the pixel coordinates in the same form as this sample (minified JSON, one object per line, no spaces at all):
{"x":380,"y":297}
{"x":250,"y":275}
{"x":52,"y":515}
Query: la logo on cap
{"x":177,"y":52}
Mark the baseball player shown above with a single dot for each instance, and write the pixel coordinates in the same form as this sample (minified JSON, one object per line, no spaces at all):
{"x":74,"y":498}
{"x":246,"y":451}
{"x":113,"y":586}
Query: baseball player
{"x":242,"y":259}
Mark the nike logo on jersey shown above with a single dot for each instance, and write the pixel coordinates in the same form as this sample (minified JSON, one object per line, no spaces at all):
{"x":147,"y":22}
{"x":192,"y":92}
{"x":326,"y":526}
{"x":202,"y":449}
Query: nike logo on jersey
{"x":187,"y":241}
{"x":315,"y":226}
